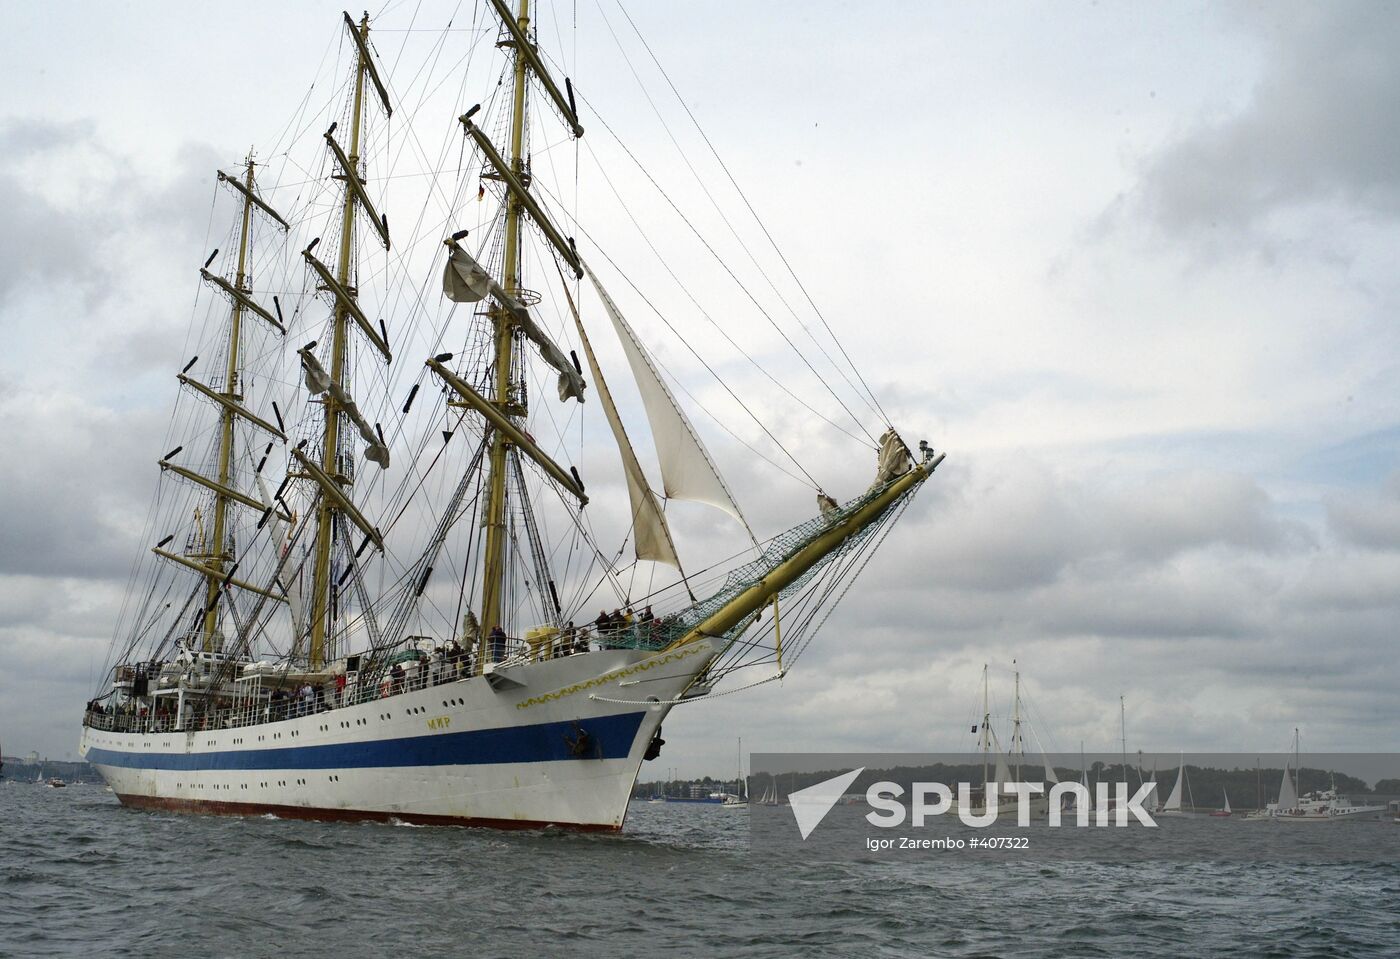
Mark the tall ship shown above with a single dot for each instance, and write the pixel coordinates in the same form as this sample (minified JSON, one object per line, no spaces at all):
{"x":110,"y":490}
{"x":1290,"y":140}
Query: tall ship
{"x":373,"y":562}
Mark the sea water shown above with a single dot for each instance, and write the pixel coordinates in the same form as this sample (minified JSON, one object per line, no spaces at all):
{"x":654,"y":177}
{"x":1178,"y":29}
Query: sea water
{"x":82,"y":876}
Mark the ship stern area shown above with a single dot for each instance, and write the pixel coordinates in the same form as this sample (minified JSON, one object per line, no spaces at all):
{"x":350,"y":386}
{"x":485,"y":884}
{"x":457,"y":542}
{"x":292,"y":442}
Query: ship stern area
{"x":529,"y":745}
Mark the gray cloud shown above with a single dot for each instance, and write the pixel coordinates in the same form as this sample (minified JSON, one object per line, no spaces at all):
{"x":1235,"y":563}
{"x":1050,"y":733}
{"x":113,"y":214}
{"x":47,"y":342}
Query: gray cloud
{"x":1368,"y":518}
{"x":73,"y":487}
{"x":1322,"y":124}
{"x":1021,"y":524}
{"x":42,"y":240}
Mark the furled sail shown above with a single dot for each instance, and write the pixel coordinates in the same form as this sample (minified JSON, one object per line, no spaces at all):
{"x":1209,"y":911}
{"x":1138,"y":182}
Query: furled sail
{"x":687,"y":471}
{"x":466,"y":281}
{"x":894,"y":458}
{"x":651,"y":536}
{"x":318,"y":381}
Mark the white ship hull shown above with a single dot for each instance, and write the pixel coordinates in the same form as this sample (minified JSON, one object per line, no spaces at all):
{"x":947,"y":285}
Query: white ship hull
{"x":503,"y":751}
{"x":1356,"y":814}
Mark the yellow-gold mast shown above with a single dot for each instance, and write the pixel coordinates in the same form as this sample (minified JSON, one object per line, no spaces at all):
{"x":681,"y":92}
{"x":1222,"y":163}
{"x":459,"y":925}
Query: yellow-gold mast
{"x":494,"y":572}
{"x":217,"y":554}
{"x":322,"y":642}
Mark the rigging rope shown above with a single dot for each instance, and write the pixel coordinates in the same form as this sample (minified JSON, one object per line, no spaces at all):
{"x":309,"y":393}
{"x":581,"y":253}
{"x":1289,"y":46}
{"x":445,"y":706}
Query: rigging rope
{"x":754,"y":213}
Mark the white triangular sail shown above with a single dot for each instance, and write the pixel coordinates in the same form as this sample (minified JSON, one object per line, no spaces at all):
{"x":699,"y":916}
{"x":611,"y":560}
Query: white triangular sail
{"x":1287,"y":794}
{"x":1226,"y":807}
{"x":687,"y":471}
{"x":1174,"y":800}
{"x":1150,"y":802}
{"x":651,"y":536}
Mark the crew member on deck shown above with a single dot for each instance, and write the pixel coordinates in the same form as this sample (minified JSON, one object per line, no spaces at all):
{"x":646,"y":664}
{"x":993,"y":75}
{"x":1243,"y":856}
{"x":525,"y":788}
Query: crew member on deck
{"x":497,"y":638}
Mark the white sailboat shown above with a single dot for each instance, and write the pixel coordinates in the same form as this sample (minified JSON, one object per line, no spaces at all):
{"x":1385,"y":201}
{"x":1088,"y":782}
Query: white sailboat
{"x":738,"y":799}
{"x":1224,"y":810}
{"x":1173,"y":806}
{"x":1317,"y":806}
{"x":1287,"y":798}
{"x":1006,"y":765}
{"x":327,"y":632}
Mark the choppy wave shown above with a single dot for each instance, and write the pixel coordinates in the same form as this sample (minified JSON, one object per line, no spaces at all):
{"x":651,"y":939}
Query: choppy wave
{"x":82,"y":876}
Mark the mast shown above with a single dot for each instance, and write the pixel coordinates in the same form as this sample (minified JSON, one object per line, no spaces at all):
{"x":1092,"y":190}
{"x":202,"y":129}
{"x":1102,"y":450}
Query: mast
{"x":986,"y":732}
{"x":494,"y":572}
{"x":1084,"y":771}
{"x":1297,"y":765}
{"x":323,"y":605}
{"x":216,"y":553}
{"x":1123,"y":731}
{"x":1016,"y":742}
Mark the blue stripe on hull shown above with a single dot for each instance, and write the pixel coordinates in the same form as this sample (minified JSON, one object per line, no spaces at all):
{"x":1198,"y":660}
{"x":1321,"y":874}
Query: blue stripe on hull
{"x":612,"y":738}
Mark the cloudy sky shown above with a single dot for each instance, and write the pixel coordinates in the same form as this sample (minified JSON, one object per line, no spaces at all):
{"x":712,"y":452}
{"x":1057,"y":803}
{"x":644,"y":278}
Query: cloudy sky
{"x":1130,"y":265}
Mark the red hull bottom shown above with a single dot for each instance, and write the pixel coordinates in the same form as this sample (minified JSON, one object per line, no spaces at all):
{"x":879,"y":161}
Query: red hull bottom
{"x":215,"y":808}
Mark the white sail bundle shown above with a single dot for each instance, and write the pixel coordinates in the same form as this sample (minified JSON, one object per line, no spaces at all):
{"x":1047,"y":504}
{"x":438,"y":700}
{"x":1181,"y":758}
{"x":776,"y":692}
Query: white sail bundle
{"x":318,"y":381}
{"x":894,"y":460}
{"x":687,"y":471}
{"x":466,"y":281}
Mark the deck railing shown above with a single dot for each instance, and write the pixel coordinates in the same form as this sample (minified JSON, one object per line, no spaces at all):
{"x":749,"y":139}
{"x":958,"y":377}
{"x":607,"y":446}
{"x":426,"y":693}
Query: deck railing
{"x":136,"y":717}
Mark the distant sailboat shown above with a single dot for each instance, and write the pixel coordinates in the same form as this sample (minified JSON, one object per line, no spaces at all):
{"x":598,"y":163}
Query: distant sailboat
{"x":1225,"y":810}
{"x":1172,"y":807}
{"x":995,"y":768}
{"x":770,"y":794}
{"x":1287,"y":791}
